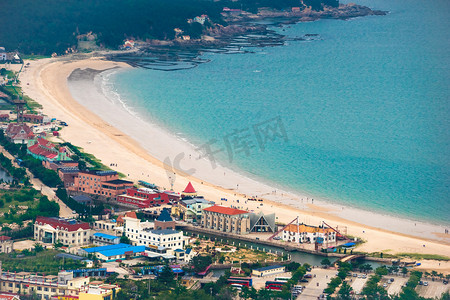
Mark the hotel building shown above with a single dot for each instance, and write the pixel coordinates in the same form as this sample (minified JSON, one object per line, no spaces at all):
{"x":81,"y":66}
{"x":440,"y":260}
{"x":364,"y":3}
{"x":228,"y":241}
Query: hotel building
{"x":67,"y":231}
{"x":308,"y":234}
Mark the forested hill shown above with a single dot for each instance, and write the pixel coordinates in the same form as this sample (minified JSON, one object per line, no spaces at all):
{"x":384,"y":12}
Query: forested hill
{"x":44,"y":27}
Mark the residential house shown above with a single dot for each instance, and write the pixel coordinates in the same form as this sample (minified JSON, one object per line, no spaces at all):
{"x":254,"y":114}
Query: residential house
{"x":31,"y":118}
{"x":19,"y":133}
{"x":43,"y":149}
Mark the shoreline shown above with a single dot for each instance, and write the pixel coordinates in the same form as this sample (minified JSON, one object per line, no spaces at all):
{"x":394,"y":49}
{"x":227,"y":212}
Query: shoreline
{"x":82,"y":83}
{"x":49,"y":87}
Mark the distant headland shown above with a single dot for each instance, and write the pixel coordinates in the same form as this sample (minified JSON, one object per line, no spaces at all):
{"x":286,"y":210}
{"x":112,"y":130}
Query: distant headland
{"x":74,"y":26}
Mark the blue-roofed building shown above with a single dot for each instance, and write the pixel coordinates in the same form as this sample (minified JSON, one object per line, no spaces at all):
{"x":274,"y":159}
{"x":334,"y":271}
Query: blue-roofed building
{"x":164,"y":221}
{"x":269,"y":270}
{"x":115,"y":252}
{"x":103,"y":239}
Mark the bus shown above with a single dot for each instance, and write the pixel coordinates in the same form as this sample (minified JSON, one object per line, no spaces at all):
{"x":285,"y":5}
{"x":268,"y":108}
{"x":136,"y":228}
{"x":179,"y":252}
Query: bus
{"x":234,"y":282}
{"x":282,"y":279}
{"x":249,"y":279}
{"x":274,"y":285}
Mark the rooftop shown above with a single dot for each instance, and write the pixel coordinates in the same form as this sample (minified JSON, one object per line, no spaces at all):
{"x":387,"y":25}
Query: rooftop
{"x":69,"y":224}
{"x":121,"y":251}
{"x":118,"y":181}
{"x":306,"y":228}
{"x":196,"y":200}
{"x":99,"y":172}
{"x":104,"y":248}
{"x":225,"y":210}
{"x":164,"y":231}
{"x":189,"y":189}
{"x":164,"y":216}
{"x":105,"y":236}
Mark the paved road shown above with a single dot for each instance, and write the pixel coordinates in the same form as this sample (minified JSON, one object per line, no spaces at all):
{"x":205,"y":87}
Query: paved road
{"x":317,"y":284}
{"x":434,"y":289}
{"x":64,"y":211}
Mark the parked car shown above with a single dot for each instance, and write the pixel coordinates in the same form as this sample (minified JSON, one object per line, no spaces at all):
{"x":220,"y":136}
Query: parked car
{"x":425,"y":283}
{"x":308,"y":276}
{"x":385,"y":285}
{"x":355,"y":275}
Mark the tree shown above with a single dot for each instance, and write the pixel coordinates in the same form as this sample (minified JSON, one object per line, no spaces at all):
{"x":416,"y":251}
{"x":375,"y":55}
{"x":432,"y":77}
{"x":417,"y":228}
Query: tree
{"x":38,"y":248}
{"x":124,"y":239}
{"x":200,"y":263}
{"x":381,"y":271}
{"x":166,"y":276}
{"x":325,"y":262}
{"x":344,"y":292}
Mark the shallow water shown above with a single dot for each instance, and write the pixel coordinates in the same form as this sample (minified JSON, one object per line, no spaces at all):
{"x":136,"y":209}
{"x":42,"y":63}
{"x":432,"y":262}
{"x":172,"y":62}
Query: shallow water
{"x":364,"y":109}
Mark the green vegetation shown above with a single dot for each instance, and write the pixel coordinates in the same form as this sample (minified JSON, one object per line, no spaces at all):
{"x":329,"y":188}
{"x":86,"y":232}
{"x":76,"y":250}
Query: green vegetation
{"x":82,"y":158}
{"x":53,"y":26}
{"x":200,"y":263}
{"x":38,"y":261}
{"x":424,"y":256}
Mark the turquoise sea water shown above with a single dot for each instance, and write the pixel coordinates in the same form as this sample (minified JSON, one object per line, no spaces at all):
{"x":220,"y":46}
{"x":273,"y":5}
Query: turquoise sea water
{"x":365,"y":108}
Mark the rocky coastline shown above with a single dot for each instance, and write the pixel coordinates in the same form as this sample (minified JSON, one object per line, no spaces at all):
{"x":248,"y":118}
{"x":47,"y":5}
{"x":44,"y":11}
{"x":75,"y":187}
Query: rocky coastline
{"x":242,"y":31}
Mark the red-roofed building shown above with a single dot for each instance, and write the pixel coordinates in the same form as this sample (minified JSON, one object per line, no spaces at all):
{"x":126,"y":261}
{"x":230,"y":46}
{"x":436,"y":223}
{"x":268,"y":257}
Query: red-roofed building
{"x":4,"y":118}
{"x":226,"y":219}
{"x":43,"y":149}
{"x":189,"y":191}
{"x":9,"y":296}
{"x":67,"y":231}
{"x":6,"y":244}
{"x":33,"y":118}
{"x":19,"y":133}
{"x":145,"y":197}
{"x":130,"y":214}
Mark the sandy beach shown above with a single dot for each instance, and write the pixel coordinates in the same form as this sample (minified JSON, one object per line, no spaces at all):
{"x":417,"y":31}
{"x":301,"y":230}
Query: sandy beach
{"x":71,"y":90}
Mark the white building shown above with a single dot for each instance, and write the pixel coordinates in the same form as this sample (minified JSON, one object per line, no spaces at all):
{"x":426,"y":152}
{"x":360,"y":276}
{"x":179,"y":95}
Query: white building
{"x":102,"y":239}
{"x":105,"y":225}
{"x":308,"y":234}
{"x":141,"y":233}
{"x":66,"y":231}
{"x":6,"y":245}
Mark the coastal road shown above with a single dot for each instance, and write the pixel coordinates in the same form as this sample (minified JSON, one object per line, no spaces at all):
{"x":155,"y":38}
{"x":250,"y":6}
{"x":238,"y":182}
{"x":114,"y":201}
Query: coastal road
{"x":317,"y":284}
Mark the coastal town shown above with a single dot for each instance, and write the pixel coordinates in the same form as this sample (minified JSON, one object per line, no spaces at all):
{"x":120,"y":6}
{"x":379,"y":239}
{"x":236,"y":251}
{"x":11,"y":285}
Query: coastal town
{"x":73,"y":227}
{"x":312,"y":165}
